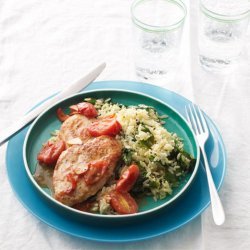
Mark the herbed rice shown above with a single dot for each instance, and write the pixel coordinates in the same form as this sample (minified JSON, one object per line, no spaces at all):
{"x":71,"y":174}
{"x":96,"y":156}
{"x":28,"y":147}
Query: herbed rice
{"x":158,"y":153}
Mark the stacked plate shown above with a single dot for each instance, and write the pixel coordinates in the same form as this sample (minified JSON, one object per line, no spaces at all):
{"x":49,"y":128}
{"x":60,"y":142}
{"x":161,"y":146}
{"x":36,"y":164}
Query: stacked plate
{"x":155,"y":218}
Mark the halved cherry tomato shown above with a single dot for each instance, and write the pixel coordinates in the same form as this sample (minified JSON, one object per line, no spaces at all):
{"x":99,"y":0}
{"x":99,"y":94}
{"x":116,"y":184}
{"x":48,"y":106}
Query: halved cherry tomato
{"x":73,"y":181}
{"x":84,"y":108}
{"x":128,"y":179}
{"x":50,"y":152}
{"x":123,"y":203}
{"x":105,"y":126}
{"x":61,"y":115}
{"x":96,"y":170}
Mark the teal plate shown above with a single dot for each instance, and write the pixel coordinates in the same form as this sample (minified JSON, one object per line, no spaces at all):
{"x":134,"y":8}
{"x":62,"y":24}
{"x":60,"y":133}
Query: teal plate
{"x":195,"y":199}
{"x":40,"y":132}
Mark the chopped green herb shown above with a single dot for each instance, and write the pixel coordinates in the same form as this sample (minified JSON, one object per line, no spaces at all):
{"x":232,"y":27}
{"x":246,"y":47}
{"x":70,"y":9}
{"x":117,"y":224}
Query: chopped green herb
{"x":172,"y":179}
{"x":90,"y":100}
{"x":147,"y":143}
{"x":145,"y":129}
{"x":139,"y":189}
{"x":127,"y":156}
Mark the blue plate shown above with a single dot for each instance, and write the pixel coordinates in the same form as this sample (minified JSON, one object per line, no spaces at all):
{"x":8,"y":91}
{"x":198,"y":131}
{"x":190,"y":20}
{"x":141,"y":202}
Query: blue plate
{"x":195,"y":199}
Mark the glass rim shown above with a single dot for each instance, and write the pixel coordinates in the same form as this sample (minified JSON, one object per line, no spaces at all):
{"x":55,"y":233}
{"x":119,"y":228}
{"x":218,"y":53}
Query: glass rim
{"x":156,"y":28}
{"x":223,"y":17}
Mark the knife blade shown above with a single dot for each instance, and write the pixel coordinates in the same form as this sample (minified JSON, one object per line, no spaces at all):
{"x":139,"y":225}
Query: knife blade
{"x":73,"y":88}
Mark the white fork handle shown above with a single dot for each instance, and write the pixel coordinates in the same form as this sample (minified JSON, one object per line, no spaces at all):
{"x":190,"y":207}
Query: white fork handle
{"x":217,"y":208}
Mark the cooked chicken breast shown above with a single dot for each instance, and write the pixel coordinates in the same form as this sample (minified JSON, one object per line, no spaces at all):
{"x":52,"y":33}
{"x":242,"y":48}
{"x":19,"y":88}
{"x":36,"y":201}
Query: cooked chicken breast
{"x":75,"y":127}
{"x":71,"y":178}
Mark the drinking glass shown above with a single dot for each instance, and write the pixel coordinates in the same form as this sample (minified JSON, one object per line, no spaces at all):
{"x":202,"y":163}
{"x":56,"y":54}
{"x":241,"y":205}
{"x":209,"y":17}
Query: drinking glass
{"x":222,"y":30}
{"x":157,"y":28}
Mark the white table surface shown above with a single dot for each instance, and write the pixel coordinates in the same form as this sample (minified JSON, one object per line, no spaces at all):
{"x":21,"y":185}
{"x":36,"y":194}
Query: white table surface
{"x":46,"y":45}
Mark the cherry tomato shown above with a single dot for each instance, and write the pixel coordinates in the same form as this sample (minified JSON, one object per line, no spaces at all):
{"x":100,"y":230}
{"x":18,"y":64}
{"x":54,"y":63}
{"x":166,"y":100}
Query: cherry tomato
{"x":123,"y":203}
{"x":73,"y":181}
{"x":84,"y":108}
{"x":61,"y":115}
{"x":105,"y":126}
{"x":50,"y":152}
{"x":95,"y":172}
{"x":128,"y":179}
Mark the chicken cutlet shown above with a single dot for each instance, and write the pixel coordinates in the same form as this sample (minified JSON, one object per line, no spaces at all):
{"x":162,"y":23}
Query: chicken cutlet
{"x":75,"y":127}
{"x":82,"y":170}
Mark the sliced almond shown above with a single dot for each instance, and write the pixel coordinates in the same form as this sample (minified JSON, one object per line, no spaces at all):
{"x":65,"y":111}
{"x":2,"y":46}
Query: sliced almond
{"x":81,"y":169}
{"x":75,"y":141}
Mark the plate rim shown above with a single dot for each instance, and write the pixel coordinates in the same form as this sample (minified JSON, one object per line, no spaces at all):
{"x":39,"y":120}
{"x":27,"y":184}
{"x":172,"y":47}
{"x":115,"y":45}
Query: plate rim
{"x":147,"y":212}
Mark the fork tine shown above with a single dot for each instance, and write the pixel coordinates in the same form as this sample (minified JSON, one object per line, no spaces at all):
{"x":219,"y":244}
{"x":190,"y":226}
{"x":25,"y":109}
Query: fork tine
{"x":200,"y":129}
{"x":191,"y":119}
{"x":203,"y":121}
{"x":187,"y":115}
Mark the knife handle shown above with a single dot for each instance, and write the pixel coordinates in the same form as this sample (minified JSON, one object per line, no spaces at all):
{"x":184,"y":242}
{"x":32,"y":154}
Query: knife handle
{"x":25,"y":120}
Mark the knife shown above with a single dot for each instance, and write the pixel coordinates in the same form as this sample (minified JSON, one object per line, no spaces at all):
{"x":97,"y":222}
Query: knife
{"x":74,"y":88}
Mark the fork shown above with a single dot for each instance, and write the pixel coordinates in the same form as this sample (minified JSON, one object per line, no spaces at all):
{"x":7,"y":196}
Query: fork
{"x":198,"y":124}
